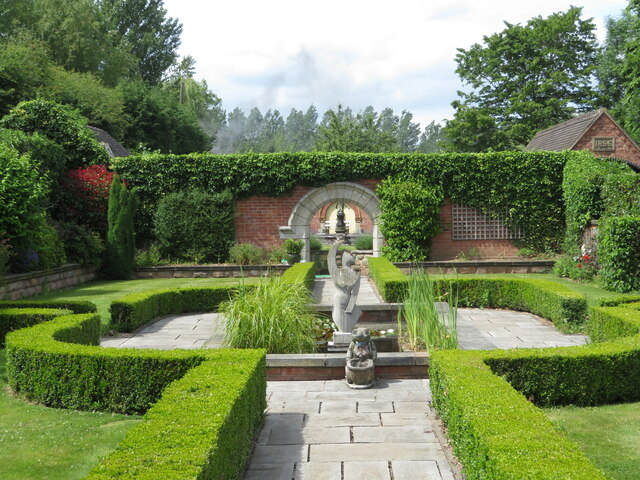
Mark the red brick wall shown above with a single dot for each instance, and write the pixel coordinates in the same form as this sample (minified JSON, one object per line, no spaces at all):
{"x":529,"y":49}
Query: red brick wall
{"x":604,"y":127}
{"x":444,"y":247}
{"x":258,"y":218}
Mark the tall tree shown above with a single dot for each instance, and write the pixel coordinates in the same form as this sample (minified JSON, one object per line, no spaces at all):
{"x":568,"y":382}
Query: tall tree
{"x":152,"y":37}
{"x":619,"y":71}
{"x":431,"y":139}
{"x":523,"y":79}
{"x":301,"y":129}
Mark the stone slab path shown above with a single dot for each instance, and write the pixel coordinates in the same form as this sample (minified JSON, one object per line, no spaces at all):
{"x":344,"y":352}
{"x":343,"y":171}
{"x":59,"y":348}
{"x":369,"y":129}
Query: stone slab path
{"x":323,"y":430}
{"x":200,"y":330}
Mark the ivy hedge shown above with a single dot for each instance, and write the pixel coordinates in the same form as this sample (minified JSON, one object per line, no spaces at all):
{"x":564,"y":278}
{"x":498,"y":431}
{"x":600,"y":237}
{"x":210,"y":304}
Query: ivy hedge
{"x":531,"y":199}
{"x":619,"y":253}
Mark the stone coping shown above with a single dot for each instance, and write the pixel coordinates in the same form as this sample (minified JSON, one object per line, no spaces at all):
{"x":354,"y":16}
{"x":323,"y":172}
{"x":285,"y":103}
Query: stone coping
{"x":18,"y":277}
{"x":206,"y":271}
{"x":479,"y":263}
{"x":374,"y":307}
{"x":307,"y":360}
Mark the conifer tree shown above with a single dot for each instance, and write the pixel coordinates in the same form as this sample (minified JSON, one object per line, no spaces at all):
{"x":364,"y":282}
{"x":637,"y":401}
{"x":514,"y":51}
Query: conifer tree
{"x":121,"y":247}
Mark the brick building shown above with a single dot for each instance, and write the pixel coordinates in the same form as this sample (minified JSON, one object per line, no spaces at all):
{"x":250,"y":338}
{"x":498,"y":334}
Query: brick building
{"x":595,"y":131}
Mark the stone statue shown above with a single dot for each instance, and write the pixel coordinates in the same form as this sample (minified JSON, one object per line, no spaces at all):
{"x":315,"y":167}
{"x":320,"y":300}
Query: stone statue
{"x":347,"y":282}
{"x":361,"y":357}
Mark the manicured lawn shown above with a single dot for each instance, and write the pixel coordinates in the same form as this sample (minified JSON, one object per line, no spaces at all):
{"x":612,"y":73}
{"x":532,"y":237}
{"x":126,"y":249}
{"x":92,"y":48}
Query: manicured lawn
{"x":609,"y":435}
{"x":102,"y":293}
{"x":47,"y":443}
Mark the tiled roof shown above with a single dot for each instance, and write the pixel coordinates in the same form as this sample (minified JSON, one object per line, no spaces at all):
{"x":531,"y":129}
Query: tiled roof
{"x":565,"y":135}
{"x":112,"y":146}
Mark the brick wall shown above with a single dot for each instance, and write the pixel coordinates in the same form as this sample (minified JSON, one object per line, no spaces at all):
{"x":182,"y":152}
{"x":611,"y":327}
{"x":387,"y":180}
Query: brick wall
{"x":604,"y":127}
{"x":258,"y":218}
{"x":444,"y":247}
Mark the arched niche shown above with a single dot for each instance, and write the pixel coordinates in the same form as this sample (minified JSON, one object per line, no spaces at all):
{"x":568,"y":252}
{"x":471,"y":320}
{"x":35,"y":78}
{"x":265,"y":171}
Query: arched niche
{"x":339,"y":192}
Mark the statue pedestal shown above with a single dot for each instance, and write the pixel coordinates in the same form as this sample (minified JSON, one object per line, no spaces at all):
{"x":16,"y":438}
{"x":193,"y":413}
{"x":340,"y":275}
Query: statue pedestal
{"x":342,"y":338}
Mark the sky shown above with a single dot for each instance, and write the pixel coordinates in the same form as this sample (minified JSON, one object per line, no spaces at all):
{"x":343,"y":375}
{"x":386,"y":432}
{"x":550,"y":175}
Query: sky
{"x":284,"y":54}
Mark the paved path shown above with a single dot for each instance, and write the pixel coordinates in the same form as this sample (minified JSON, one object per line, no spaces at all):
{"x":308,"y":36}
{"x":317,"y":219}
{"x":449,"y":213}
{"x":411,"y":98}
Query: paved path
{"x":200,"y":330}
{"x":324,"y":430}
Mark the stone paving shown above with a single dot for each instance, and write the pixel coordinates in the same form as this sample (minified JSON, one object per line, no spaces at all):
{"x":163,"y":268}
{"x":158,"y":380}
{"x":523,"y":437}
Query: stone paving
{"x":323,"y":430}
{"x":200,"y":330}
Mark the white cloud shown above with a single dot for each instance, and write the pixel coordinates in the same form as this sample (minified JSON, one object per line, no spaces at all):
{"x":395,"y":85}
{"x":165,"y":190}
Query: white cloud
{"x":285,"y":53}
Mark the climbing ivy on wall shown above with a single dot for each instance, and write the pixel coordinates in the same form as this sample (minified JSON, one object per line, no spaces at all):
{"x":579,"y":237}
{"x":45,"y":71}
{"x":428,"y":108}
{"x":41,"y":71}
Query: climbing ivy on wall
{"x":524,"y":187}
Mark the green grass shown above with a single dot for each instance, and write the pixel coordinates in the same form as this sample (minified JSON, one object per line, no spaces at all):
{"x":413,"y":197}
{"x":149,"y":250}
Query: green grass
{"x":47,"y":443}
{"x":102,"y":293}
{"x":608,"y":435}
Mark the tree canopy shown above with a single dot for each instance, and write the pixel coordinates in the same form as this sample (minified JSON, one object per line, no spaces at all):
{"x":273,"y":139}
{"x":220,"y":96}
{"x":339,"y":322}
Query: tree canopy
{"x":523,"y":79}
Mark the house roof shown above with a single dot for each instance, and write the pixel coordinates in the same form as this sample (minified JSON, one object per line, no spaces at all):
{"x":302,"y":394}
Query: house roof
{"x":565,"y":135}
{"x":111,"y":145}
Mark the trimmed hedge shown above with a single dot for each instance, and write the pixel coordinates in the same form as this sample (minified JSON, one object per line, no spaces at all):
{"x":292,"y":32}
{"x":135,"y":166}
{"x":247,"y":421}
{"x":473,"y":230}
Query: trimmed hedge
{"x":392,"y":284}
{"x":619,"y":253}
{"x":137,"y":309}
{"x":532,"y":196}
{"x":203,"y":426}
{"x":566,"y":308}
{"x":15,"y":318}
{"x":496,"y":433}
{"x":301,"y":272}
{"x":78,"y":306}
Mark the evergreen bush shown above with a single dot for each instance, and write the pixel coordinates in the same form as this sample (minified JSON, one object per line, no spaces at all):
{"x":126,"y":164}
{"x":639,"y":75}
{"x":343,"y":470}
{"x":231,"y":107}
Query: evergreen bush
{"x":195,"y":226}
{"x":410,"y":218}
{"x":619,"y":253}
{"x":121,"y":246}
{"x":364,"y":242}
{"x":81,"y":245}
{"x":245,"y":254}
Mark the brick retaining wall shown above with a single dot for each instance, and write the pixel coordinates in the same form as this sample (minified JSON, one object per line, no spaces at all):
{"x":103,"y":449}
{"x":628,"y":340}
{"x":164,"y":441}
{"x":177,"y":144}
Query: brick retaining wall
{"x":17,"y":286}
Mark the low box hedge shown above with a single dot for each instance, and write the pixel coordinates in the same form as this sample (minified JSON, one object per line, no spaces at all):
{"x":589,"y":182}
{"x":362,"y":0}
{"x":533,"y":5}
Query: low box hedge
{"x":205,"y":418}
{"x":301,"y":272}
{"x":566,"y":308}
{"x":15,"y":318}
{"x":137,"y":309}
{"x":203,"y":426}
{"x":392,"y":284}
{"x":76,"y":306}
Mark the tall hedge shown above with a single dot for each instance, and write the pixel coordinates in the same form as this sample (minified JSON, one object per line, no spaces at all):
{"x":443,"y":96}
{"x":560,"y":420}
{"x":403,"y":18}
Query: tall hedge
{"x":121,"y":245}
{"x":589,"y":185}
{"x":194,"y":225}
{"x":531,"y":198}
{"x":410,"y":218}
{"x":619,"y":253}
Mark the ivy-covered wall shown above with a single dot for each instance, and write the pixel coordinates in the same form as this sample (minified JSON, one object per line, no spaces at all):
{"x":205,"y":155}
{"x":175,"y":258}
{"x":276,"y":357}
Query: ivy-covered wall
{"x":525,"y":187}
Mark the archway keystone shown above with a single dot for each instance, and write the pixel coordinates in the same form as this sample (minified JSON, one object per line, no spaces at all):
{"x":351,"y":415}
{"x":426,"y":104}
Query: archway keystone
{"x":339,"y":192}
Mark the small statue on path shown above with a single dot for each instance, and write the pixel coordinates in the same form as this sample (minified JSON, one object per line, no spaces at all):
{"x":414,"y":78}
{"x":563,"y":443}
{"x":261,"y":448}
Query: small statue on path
{"x":361,"y":357}
{"x":347,"y":282}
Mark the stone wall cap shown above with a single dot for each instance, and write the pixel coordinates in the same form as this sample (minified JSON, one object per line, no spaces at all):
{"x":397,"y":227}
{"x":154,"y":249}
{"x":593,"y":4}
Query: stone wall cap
{"x":338,"y":359}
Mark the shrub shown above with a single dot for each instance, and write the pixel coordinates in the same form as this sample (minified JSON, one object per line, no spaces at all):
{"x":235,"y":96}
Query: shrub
{"x":245,"y":254}
{"x":364,"y":242}
{"x":150,"y":257}
{"x":293,"y":247}
{"x":619,"y":253}
{"x":61,"y":124}
{"x":194,"y":225}
{"x":275,"y":255}
{"x":49,"y":247}
{"x":81,"y":245}
{"x":410,"y":218}
{"x":315,"y":243}
{"x":121,"y":245}
{"x":15,"y":318}
{"x":582,"y":268}
{"x":5,"y":256}
{"x":85,"y":196}
{"x":274,"y":316}
{"x":22,"y":198}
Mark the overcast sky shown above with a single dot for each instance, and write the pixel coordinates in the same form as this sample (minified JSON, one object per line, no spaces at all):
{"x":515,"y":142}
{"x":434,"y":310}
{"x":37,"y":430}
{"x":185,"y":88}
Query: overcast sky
{"x":287,"y":54}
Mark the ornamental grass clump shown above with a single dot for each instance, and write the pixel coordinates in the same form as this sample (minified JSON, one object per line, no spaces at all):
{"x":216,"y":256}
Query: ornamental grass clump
{"x":425,"y":325}
{"x":274,"y":315}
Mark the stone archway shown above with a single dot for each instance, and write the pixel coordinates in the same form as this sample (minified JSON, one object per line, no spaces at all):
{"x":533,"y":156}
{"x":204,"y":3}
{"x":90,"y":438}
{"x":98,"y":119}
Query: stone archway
{"x":347,"y":192}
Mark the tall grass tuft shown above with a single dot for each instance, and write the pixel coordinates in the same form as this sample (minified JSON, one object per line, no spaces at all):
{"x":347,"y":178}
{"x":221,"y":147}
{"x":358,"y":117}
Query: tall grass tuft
{"x":425,"y":326}
{"x":274,"y":316}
